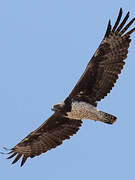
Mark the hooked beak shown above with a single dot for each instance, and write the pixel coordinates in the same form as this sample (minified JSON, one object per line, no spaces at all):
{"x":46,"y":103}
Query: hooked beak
{"x":53,"y":109}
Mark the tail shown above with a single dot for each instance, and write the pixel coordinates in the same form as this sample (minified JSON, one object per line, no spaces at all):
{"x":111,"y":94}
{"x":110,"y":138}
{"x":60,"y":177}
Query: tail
{"x":107,"y":118}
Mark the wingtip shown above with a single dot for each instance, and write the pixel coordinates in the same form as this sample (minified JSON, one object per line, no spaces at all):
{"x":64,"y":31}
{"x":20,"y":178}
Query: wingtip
{"x":133,"y":19}
{"x":109,"y":24}
{"x":121,"y":11}
{"x":108,"y":30}
{"x":128,"y":13}
{"x":17,"y":158}
{"x":23,"y":160}
{"x":12,"y":155}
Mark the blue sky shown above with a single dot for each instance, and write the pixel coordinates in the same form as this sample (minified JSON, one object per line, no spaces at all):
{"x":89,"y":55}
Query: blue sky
{"x":45,"y":46}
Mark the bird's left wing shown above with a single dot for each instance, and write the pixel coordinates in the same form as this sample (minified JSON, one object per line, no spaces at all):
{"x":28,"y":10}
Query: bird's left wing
{"x":49,"y":135}
{"x":102,"y":71}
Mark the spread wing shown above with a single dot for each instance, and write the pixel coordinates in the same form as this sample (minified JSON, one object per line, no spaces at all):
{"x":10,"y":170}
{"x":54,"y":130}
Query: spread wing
{"x":49,"y":135}
{"x":102,"y":71}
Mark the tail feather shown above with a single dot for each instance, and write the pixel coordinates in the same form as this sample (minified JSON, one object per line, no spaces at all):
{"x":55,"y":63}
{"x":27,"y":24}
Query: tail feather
{"x":107,"y":118}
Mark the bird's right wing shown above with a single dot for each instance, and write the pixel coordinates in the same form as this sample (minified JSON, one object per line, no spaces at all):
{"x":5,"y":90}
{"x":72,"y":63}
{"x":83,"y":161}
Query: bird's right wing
{"x":49,"y":135}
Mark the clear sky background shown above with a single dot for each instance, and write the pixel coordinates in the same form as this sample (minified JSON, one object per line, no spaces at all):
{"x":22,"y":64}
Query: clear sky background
{"x":45,"y":46}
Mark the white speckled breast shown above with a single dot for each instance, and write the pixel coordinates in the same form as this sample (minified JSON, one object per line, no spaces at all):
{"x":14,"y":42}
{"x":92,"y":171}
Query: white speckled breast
{"x":83,"y":110}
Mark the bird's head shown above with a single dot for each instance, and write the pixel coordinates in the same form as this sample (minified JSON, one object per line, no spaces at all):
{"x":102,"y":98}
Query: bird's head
{"x":58,"y":107}
{"x":63,"y":106}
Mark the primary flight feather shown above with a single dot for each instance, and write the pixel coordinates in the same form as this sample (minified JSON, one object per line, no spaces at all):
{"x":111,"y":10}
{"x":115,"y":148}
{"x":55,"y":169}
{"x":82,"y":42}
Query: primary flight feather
{"x":95,"y":83}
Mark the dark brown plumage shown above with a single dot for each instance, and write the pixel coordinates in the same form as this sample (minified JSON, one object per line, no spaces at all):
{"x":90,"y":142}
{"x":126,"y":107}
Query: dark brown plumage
{"x":49,"y":135}
{"x":95,"y":83}
{"x":102,"y":71}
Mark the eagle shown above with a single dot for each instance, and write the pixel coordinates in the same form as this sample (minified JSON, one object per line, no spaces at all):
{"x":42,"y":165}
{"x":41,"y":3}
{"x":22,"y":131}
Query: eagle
{"x":94,"y":84}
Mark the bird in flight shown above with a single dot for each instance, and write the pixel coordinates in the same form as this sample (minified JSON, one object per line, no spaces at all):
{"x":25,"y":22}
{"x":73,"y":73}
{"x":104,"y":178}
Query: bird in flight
{"x":95,"y":83}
